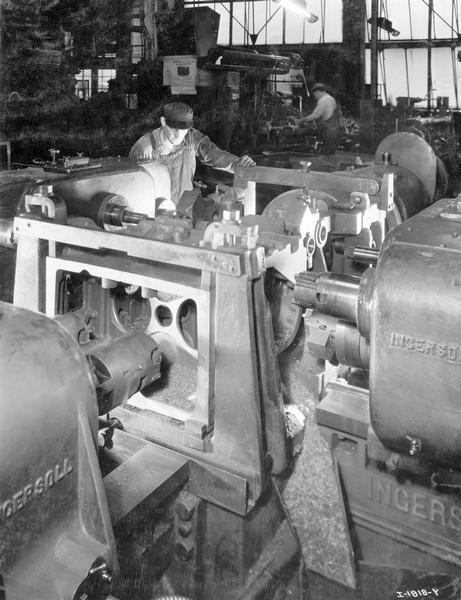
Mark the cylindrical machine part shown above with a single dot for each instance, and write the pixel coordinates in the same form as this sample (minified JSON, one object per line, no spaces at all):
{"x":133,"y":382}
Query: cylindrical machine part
{"x":351,"y":349}
{"x":362,"y":254}
{"x":131,"y":217}
{"x":271,"y":61}
{"x":116,"y":214}
{"x":105,"y":209}
{"x":364,"y":302}
{"x":112,"y":213}
{"x":337,"y":341}
{"x":123,"y":367}
{"x":334,"y":295}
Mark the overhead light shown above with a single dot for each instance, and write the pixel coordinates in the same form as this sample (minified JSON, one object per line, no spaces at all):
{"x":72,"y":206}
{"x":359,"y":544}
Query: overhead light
{"x":299,"y":7}
{"x":385,"y":24}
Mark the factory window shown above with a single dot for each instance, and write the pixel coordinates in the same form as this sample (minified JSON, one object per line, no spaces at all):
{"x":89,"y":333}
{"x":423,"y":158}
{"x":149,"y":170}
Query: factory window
{"x":269,"y":23}
{"x":410,"y":19}
{"x":137,"y":46}
{"x":104,"y":75}
{"x":402,"y":72}
{"x":83,"y":85}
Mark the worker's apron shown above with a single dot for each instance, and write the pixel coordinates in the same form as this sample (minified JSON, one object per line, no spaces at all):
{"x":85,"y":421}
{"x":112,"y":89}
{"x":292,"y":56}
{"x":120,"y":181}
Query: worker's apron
{"x":330,"y":131}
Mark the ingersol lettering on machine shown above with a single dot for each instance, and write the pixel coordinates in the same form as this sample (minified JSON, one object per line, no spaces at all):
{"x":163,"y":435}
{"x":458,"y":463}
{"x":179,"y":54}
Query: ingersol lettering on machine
{"x":393,"y":417}
{"x":52,"y":546}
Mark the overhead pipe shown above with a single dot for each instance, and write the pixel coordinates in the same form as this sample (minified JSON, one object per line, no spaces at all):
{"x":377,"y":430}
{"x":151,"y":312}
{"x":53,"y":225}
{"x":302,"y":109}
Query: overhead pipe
{"x":429,"y":55}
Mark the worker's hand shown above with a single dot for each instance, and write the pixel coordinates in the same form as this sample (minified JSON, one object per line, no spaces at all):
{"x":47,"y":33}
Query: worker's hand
{"x":294,"y":121}
{"x":302,"y":123}
{"x":245,"y":161}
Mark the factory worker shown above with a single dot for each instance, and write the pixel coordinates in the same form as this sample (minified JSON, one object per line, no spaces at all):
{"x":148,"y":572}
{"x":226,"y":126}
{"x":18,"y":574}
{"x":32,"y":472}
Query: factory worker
{"x":327,"y":113}
{"x":176,"y":144}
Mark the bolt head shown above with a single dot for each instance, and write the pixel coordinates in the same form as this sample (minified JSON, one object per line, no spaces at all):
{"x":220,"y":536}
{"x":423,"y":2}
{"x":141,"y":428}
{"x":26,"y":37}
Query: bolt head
{"x":184,"y":512}
{"x":185,"y":507}
{"x":185,"y":529}
{"x":184,"y":550}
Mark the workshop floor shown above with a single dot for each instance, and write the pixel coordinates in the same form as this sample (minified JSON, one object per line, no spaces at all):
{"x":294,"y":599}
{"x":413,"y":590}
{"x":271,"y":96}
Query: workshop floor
{"x":310,"y":492}
{"x":312,"y":497}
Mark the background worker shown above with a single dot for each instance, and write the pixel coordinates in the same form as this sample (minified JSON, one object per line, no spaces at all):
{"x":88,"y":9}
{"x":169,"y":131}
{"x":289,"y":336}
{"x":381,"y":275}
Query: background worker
{"x":327,"y":113}
{"x":177,"y":145}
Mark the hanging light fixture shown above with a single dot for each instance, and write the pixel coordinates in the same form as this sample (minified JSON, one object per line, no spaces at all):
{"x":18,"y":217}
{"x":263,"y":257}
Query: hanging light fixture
{"x":385,"y":24}
{"x":299,"y":7}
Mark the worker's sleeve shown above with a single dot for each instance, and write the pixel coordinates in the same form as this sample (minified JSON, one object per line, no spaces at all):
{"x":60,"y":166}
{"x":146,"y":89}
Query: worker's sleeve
{"x":318,"y":112}
{"x":142,"y":149}
{"x":209,"y":154}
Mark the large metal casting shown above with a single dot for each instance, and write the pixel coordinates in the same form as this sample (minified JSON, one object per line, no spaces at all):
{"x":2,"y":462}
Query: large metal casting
{"x":167,"y":314}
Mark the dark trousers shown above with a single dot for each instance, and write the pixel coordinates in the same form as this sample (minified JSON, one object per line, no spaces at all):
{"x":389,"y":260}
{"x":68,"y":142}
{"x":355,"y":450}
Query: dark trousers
{"x":330,"y":133}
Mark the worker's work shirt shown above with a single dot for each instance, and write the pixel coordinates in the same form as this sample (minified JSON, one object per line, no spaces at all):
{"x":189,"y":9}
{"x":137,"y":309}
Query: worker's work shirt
{"x":326,"y":108}
{"x":181,"y":161}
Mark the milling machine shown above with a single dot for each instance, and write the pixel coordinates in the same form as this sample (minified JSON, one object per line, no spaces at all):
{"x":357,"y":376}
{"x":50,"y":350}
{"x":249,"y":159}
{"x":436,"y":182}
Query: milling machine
{"x":134,"y":460}
{"x":392,"y":421}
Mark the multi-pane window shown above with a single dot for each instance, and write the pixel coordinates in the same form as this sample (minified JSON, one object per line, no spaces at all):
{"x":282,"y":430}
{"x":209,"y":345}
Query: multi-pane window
{"x":402,"y":71}
{"x":83,"y":85}
{"x":104,"y":75}
{"x":137,"y":46}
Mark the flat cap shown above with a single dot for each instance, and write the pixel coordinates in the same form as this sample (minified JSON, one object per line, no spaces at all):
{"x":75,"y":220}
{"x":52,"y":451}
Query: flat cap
{"x":178,"y":115}
{"x":319,"y":87}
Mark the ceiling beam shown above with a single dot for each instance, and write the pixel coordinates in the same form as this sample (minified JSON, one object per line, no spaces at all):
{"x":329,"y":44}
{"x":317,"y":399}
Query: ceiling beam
{"x":419,"y":43}
{"x":382,"y":45}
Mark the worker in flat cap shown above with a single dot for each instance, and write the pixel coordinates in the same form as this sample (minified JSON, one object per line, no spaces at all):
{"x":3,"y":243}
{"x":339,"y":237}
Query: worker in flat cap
{"x":177,"y":144}
{"x":327,"y":113}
